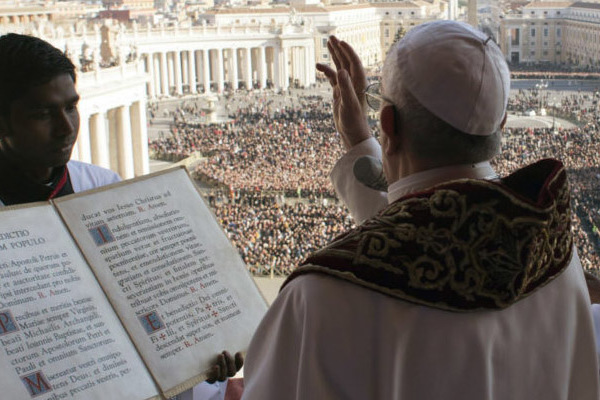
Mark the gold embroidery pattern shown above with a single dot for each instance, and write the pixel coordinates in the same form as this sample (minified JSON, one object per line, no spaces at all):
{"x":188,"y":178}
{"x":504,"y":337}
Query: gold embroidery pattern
{"x":462,"y":246}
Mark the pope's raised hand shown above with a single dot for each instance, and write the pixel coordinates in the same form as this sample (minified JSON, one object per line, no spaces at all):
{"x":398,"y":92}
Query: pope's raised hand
{"x":349,"y":82}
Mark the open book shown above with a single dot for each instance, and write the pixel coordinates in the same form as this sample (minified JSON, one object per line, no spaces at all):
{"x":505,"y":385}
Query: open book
{"x":125,"y":292}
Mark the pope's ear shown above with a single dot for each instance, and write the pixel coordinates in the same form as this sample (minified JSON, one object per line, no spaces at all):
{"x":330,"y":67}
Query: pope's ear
{"x":390,"y":120}
{"x":387,"y":117}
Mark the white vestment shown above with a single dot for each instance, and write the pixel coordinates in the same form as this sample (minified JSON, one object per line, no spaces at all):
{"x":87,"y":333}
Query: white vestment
{"x":325,"y":338}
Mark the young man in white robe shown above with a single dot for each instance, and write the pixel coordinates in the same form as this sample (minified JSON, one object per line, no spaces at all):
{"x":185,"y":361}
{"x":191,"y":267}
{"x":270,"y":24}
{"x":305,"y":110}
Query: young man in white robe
{"x":39,"y":123}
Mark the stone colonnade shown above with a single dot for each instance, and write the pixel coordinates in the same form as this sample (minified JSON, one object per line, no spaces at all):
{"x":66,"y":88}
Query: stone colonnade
{"x":24,"y":18}
{"x":215,"y":69}
{"x":113,"y":130}
{"x":115,"y":138}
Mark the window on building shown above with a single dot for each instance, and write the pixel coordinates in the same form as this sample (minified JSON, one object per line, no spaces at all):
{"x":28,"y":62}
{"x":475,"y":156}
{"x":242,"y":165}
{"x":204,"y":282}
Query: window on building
{"x":545,"y":43}
{"x":557,"y":32}
{"x":532,"y":52}
{"x":387,"y":13}
{"x":399,"y":12}
{"x":558,"y":13}
{"x":545,"y":32}
{"x":386,"y":33}
{"x":412,"y":13}
{"x":533,"y":13}
{"x":545,"y":52}
{"x":325,"y":56}
{"x":532,"y":32}
{"x":514,"y":37}
{"x":324,"y":42}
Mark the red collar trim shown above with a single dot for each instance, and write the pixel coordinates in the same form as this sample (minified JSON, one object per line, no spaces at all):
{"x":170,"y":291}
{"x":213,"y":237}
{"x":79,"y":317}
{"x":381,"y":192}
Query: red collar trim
{"x":60,"y":185}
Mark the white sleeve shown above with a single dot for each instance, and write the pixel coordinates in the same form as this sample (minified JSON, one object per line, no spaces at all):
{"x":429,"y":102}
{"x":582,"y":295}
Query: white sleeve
{"x":86,"y":176}
{"x":205,"y":391}
{"x":363,"y":202}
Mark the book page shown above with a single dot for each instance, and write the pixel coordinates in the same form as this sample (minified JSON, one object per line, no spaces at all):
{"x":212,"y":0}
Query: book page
{"x":179,"y":286}
{"x":59,"y":337}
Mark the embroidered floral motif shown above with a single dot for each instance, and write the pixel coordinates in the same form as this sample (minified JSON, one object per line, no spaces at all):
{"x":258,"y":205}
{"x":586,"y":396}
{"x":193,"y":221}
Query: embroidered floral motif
{"x":464,"y":245}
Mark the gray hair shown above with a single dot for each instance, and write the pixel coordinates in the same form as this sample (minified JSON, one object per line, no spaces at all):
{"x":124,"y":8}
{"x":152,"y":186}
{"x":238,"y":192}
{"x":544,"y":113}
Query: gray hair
{"x":435,"y":139}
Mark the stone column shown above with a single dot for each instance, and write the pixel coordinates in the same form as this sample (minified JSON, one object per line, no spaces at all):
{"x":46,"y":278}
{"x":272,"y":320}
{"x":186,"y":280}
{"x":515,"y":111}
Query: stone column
{"x":198,"y":60}
{"x":220,"y":71}
{"x":139,"y":137}
{"x":99,"y":140}
{"x":192,"y":71}
{"x":249,"y":68}
{"x":285,"y":68}
{"x":113,"y":139}
{"x":185,"y":72}
{"x":84,"y":151}
{"x":164,"y":74}
{"x":299,"y":71}
{"x":300,"y":63}
{"x":234,"y":69}
{"x":277,"y":67}
{"x":292,"y":70}
{"x":170,"y":72}
{"x":262,"y":67}
{"x":206,"y":71}
{"x":307,"y":66}
{"x":177,"y":70}
{"x":124,"y":142}
{"x":150,"y":70}
{"x":312,"y":75}
{"x":472,"y":13}
{"x":294,"y":63}
{"x":157,"y":79}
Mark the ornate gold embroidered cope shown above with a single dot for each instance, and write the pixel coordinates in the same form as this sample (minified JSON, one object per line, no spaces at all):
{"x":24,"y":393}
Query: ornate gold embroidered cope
{"x":464,"y":245}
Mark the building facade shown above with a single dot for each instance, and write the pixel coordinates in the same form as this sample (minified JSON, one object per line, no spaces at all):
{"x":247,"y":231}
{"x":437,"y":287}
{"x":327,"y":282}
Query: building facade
{"x":553,"y":33}
{"x":397,"y":18}
{"x":121,"y":66}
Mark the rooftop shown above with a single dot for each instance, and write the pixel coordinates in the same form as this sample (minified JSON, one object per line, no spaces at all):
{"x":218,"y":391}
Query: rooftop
{"x":288,"y":9}
{"x":549,"y":4}
{"x":582,"y":4}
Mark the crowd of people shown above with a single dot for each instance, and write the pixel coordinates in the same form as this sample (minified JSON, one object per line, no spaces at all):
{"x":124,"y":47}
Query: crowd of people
{"x":579,"y":107}
{"x":269,"y":165}
{"x":273,"y":235}
{"x":579,"y":149}
{"x":553,"y":71}
{"x":265,"y":146}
